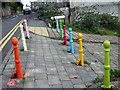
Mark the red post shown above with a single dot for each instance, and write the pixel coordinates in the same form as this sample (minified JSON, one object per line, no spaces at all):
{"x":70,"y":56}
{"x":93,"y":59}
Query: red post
{"x":65,"y":36}
{"x":18,"y":71}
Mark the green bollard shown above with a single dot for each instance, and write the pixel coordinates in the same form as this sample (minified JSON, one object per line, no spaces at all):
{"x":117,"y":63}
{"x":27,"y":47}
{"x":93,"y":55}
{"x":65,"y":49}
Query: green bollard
{"x":61,"y":30}
{"x":23,"y":38}
{"x":106,"y":83}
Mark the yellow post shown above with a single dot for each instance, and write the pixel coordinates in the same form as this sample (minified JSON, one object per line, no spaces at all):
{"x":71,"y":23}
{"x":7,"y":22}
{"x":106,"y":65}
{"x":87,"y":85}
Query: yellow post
{"x":80,"y":60}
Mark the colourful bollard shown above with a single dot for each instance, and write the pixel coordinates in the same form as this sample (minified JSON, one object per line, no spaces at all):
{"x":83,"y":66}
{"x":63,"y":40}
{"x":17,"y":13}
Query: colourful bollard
{"x":65,"y":36}
{"x":18,"y":72}
{"x":106,"y":83}
{"x":61,"y":30}
{"x":80,"y":60}
{"x":71,"y":49}
{"x":23,"y":38}
{"x":57,"y":25}
{"x":26,"y":28}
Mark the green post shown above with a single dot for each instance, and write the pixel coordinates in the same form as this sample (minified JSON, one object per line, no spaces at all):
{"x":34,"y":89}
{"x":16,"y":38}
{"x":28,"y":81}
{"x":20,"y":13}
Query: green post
{"x":106,"y":83}
{"x":23,"y":38}
{"x":61,"y":30}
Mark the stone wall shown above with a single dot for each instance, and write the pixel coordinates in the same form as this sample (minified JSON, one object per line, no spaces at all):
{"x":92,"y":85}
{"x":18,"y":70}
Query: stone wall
{"x":104,"y":7}
{"x":108,"y":8}
{"x":66,"y":12}
{"x":6,"y":11}
{"x":119,"y":10}
{"x":0,"y":9}
{"x":101,"y":7}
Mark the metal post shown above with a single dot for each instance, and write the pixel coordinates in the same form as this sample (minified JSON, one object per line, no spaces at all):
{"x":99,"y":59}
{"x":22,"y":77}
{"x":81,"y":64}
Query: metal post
{"x":57,"y":26}
{"x":80,"y":60}
{"x":71,"y":49}
{"x":106,"y":83}
{"x":26,"y":28}
{"x":65,"y":36}
{"x":18,"y":70}
{"x":61,"y":30}
{"x":23,"y":38}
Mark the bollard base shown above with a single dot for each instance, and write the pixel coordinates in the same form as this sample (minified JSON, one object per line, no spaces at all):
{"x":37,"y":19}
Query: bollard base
{"x":82,"y":64}
{"x":103,"y":86}
{"x":14,"y":75}
{"x":78,"y":62}
{"x":27,"y":38}
{"x":64,"y":43}
{"x":70,"y":51}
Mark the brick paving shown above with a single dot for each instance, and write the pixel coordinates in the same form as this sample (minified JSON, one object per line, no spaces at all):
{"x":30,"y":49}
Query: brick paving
{"x":47,"y":64}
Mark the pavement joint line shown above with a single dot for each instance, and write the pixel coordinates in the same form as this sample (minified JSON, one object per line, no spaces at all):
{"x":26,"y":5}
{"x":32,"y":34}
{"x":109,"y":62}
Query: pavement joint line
{"x":10,"y":32}
{"x":56,"y":47}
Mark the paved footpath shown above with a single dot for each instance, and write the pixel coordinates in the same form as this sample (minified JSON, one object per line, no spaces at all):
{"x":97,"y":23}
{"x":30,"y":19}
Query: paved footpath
{"x":47,"y":64}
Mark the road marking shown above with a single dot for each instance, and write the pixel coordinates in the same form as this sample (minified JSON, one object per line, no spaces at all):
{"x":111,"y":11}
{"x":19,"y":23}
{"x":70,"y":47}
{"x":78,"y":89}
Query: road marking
{"x":39,"y":30}
{"x":10,"y":32}
{"x":44,"y":31}
{"x":1,"y":47}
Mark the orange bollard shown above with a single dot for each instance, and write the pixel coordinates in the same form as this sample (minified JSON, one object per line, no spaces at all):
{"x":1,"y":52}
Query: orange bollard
{"x":18,"y":72}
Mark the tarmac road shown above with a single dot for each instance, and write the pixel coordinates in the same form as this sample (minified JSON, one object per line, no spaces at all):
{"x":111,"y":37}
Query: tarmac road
{"x":7,"y":24}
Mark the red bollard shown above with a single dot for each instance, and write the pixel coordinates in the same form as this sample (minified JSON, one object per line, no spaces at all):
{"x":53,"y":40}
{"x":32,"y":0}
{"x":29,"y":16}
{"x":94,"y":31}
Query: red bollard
{"x":18,"y":72}
{"x":65,"y":36}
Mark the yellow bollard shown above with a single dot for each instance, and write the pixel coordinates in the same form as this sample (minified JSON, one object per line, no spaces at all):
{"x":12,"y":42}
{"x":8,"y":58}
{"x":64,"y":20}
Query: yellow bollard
{"x":80,"y":60}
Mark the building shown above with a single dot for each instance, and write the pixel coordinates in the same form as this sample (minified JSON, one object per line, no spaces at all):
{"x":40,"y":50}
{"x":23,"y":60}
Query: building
{"x":6,"y":8}
{"x":119,"y":10}
{"x":112,"y":8}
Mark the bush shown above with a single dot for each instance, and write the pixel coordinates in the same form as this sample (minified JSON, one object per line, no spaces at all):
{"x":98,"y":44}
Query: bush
{"x":46,"y":11}
{"x":15,"y":6}
{"x":114,"y":73}
{"x":89,"y":20}
{"x":109,"y":22}
{"x":92,"y":21}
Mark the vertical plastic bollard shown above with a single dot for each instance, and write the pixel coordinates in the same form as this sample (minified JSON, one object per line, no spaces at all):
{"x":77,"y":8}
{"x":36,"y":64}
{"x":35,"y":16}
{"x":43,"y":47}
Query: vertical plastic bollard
{"x":106,"y":83}
{"x":80,"y":60}
{"x":26,"y":28}
{"x":18,"y":70}
{"x":71,"y":49}
{"x":65,"y":36}
{"x":23,"y":37}
{"x":61,"y":30}
{"x":57,"y":25}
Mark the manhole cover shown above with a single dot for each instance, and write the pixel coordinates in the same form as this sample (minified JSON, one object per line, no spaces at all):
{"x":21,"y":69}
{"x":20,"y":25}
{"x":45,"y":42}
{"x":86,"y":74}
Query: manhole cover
{"x":11,"y":83}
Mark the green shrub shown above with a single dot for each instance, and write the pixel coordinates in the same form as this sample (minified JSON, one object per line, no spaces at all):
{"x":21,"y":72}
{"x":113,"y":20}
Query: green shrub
{"x":115,"y":73}
{"x":109,"y":22}
{"x":91,"y":22}
{"x":46,"y":11}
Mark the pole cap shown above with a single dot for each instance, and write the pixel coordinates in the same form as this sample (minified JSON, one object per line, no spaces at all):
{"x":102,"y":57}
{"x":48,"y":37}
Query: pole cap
{"x":70,"y":29}
{"x":14,"y":41}
{"x":64,"y":26}
{"x":106,"y":44}
{"x":80,"y":35}
{"x":25,"y":20}
{"x":21,"y":26}
{"x":60,"y":20}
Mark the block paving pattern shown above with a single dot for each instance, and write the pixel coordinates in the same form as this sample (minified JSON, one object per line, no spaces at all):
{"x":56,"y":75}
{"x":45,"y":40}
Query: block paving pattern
{"x":47,"y":64}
